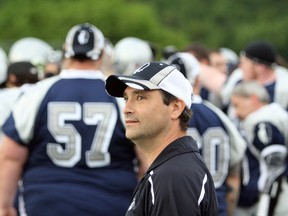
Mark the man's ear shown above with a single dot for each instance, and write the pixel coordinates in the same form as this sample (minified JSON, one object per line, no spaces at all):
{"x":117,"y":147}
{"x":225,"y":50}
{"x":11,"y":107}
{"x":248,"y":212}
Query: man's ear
{"x":177,"y":108}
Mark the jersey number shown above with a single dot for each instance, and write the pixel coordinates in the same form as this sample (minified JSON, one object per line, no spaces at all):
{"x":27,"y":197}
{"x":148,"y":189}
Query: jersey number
{"x":104,"y":115}
{"x":214,"y":144}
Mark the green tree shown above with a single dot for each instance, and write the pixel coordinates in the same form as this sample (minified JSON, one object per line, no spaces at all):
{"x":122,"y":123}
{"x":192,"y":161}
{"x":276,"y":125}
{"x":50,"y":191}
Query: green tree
{"x":164,"y":22}
{"x":50,"y":20}
{"x":227,"y":23}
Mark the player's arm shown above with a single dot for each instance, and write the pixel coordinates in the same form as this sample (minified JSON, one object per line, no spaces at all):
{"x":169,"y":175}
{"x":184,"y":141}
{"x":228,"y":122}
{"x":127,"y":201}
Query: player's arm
{"x":233,"y":182}
{"x":12,"y":159}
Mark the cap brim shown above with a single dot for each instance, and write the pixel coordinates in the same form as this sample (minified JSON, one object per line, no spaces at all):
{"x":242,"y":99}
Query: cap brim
{"x":116,"y":85}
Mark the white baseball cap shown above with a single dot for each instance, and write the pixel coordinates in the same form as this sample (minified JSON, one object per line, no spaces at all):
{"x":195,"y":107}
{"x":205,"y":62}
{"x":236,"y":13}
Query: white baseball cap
{"x":152,"y":76}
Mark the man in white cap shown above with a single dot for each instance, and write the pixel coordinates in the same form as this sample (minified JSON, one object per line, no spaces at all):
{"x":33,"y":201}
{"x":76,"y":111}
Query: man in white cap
{"x":157,"y":112}
{"x":220,"y":144}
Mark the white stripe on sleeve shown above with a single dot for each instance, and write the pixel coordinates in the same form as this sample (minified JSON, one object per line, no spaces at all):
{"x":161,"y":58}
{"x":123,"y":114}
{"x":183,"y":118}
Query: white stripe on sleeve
{"x":152,"y":188}
{"x":202,"y":193}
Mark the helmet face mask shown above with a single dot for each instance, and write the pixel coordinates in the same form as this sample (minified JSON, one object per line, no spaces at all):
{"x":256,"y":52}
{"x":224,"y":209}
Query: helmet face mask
{"x":131,"y":53}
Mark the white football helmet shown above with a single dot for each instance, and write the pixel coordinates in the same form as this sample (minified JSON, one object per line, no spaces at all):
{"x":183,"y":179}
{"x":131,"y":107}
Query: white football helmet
{"x":232,"y":59}
{"x":3,"y":65}
{"x":131,"y":53}
{"x":187,"y":64}
{"x":230,"y":55}
{"x":31,"y":49}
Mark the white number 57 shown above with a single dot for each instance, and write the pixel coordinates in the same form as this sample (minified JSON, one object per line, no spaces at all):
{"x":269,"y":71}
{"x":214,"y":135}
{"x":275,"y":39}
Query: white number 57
{"x":104,"y":115}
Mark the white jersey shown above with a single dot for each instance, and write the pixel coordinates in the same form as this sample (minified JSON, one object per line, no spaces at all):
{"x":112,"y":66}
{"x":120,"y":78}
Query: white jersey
{"x":8,"y":98}
{"x":272,"y":113}
{"x":266,"y":134}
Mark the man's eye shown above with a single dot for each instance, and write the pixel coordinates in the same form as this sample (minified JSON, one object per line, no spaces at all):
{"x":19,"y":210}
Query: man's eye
{"x":139,"y":97}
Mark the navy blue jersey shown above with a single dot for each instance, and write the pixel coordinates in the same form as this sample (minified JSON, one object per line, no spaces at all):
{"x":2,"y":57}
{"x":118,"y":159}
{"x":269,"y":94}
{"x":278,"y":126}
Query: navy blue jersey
{"x":80,"y":161}
{"x":271,"y":90}
{"x":213,"y":98}
{"x":219,"y":142}
{"x":266,"y":136}
{"x":204,"y":93}
{"x":177,"y":183}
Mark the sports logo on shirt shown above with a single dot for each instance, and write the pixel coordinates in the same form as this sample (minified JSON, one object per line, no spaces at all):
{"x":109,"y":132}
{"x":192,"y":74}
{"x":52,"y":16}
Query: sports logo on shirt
{"x":264,"y":133}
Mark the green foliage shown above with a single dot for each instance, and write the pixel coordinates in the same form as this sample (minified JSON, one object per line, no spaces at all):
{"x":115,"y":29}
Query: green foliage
{"x":50,"y":20}
{"x":227,"y":23}
{"x":215,"y":23}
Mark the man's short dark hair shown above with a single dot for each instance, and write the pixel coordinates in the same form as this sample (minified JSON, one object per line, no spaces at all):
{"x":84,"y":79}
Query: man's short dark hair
{"x":185,"y":115}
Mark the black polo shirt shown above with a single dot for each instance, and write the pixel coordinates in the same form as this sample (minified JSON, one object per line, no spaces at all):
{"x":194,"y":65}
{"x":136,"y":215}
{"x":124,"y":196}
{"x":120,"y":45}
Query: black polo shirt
{"x":177,"y":183}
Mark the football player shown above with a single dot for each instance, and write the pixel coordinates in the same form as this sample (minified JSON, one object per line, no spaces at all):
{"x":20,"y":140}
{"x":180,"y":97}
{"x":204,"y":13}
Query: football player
{"x":264,"y":125}
{"x":66,"y":141}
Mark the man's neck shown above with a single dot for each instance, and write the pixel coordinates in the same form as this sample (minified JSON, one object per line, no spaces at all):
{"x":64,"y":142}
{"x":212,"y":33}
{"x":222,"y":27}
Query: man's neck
{"x":268,"y":77}
{"x":82,"y":65}
{"x":153,"y":147}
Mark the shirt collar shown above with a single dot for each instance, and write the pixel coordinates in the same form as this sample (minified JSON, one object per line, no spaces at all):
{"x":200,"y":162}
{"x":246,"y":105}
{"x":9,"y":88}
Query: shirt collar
{"x":85,"y":74}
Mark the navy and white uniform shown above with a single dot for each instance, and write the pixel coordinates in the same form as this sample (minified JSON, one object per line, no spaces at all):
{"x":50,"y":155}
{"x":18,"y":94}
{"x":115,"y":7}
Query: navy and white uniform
{"x":266,"y":133}
{"x":220,"y":144}
{"x":177,"y":183}
{"x":80,"y":162}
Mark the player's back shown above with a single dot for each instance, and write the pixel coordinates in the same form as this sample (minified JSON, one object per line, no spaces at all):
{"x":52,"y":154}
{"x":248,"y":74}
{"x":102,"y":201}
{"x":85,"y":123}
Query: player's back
{"x":217,"y":139}
{"x":80,"y":162}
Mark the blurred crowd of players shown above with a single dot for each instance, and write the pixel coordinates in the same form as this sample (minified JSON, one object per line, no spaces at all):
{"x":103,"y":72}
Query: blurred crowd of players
{"x":244,"y":146}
